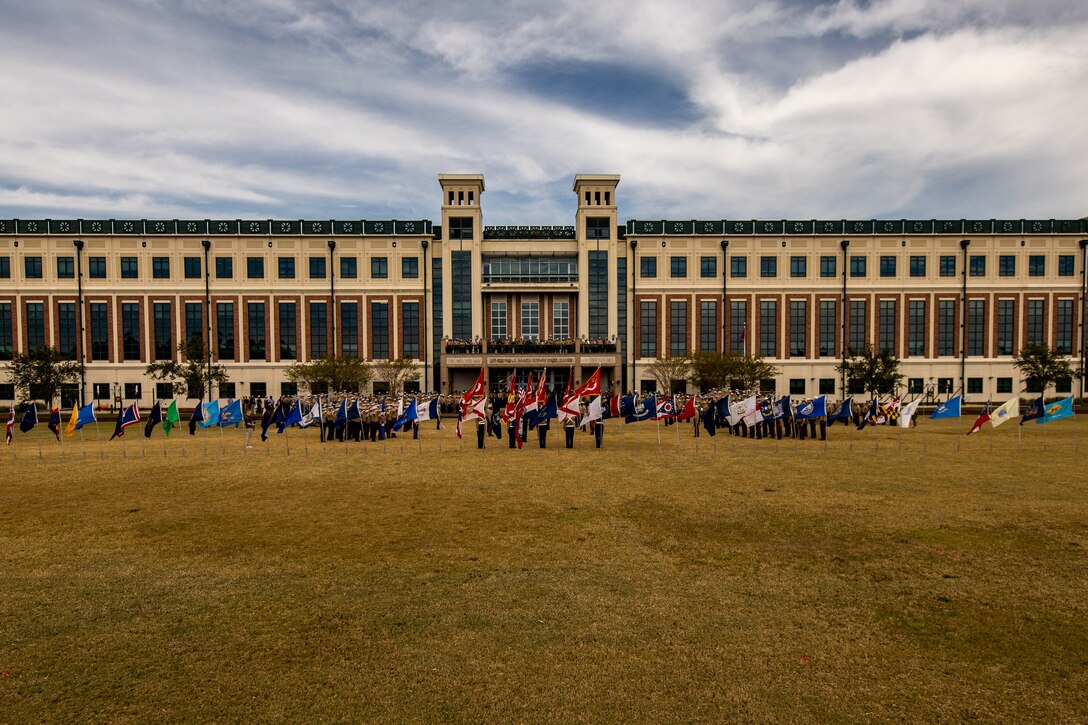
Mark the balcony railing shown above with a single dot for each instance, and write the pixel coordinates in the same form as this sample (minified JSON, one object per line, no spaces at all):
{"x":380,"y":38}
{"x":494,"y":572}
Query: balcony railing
{"x":530,"y":347}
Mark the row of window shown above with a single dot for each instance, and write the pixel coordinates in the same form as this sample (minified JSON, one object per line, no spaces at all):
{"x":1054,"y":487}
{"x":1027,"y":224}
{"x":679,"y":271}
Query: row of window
{"x":915,"y":386}
{"x":530,"y":320}
{"x":827,"y":344}
{"x":888,"y":266}
{"x":224,"y":267}
{"x":164,"y":344}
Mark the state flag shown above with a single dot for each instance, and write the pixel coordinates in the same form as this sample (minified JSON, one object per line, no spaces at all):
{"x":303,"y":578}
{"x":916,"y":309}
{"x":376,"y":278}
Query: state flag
{"x":689,"y":410}
{"x":86,"y":415}
{"x":646,"y":410}
{"x":54,"y":422}
{"x":948,"y":409}
{"x":1006,"y":411}
{"x":128,"y":416}
{"x":1034,"y":411}
{"x":813,"y":409}
{"x":907,"y":412}
{"x":1057,"y":410}
{"x":30,"y":419}
{"x":981,"y":419}
{"x":845,"y":413}
{"x":171,"y":418}
{"x":153,"y":418}
{"x":231,"y":414}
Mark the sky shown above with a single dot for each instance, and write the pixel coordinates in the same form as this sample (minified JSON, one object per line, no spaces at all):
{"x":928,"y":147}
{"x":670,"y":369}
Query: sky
{"x":708,"y":109}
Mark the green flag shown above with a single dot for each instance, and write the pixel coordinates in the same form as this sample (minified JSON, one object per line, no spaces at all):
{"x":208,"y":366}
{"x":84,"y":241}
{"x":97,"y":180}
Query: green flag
{"x":171,"y":417}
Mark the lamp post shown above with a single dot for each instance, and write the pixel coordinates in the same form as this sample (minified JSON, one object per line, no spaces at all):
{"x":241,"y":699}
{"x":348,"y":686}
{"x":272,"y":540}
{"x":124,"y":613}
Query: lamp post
{"x":725,"y":297}
{"x":208,"y":303}
{"x":1083,"y":313}
{"x":78,"y":244}
{"x":964,"y":244}
{"x":634,"y":308}
{"x":423,"y":317}
{"x":844,"y":244}
{"x":332,"y":299}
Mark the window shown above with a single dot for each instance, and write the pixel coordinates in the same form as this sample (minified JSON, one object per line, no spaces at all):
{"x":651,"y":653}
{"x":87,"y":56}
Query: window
{"x":287,"y":267}
{"x":130,"y":330}
{"x":708,"y":326}
{"x":349,"y":268}
{"x":648,"y":267}
{"x":798,"y":328}
{"x":5,"y":267}
{"x":886,"y":326}
{"x":164,"y":391}
{"x":7,"y":338}
{"x":101,"y":391}
{"x":768,"y":328}
{"x":1006,"y":321}
{"x":66,"y":329}
{"x":917,"y":266}
{"x":35,"y":325}
{"x":826,"y":386}
{"x":598,"y":228}
{"x":738,"y":266}
{"x":976,"y":327}
{"x":827,"y":266}
{"x":1004,"y":385}
{"x":224,"y":330}
{"x":1063,"y":385}
{"x":857,"y":266}
{"x":409,"y":267}
{"x":1006,"y":265}
{"x":678,"y":267}
{"x":288,"y":329}
{"x":829,"y":330}
{"x":379,"y":330}
{"x":977,"y":265}
{"x":224,"y":267}
{"x":974,"y":385}
{"x":858,"y":325}
{"x":561,"y":320}
{"x":255,"y":267}
{"x":916,"y":386}
{"x":164,"y":339}
{"x":410,"y":328}
{"x":738,"y":327}
{"x":317,"y":268}
{"x":129,"y":268}
{"x":319,"y":330}
{"x":192,"y":267}
{"x":916,"y":328}
{"x":349,"y":329}
{"x":498,"y":320}
{"x":505,"y":270}
{"x":66,"y":267}
{"x":946,"y":327}
{"x":678,"y":328}
{"x":194,"y":320}
{"x":598,"y":295}
{"x":461,"y":227}
{"x":1063,"y":327}
{"x":708,"y":267}
{"x":379,"y":267}
{"x":768,"y":266}
{"x":797,"y":386}
{"x":288,"y":388}
{"x":887,"y":266}
{"x":33,"y":267}
{"x":647,"y":329}
{"x":258,"y":390}
{"x":1035,"y":322}
{"x":798,"y":267}
{"x":948,"y":265}
{"x":132,"y":391}
{"x":255,"y":332}
{"x":227,"y":390}
{"x":530,"y":320}
{"x":461,"y":293}
{"x":96,"y":267}
{"x":437,"y":310}
{"x":621,"y":305}
{"x":1036,"y":265}
{"x":99,"y":323}
{"x":1065,"y":265}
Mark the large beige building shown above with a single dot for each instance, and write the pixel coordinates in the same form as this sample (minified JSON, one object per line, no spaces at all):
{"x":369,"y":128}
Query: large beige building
{"x":954,"y":299}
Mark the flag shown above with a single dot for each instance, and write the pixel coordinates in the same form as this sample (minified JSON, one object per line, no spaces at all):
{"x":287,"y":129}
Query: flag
{"x":211,"y":414}
{"x":70,"y":429}
{"x":748,"y":411}
{"x":783,"y":408}
{"x":353,"y":411}
{"x":710,"y":421}
{"x":155,"y":416}
{"x":478,"y":390}
{"x":409,"y":414}
{"x":666,"y":408}
{"x":845,"y":413}
{"x":231,"y":415}
{"x":1006,"y":411}
{"x":568,"y":407}
{"x":551,"y":410}
{"x":594,"y":411}
{"x":126,"y":417}
{"x":908,"y":412}
{"x":591,"y":386}
{"x":1034,"y":411}
{"x":870,"y":417}
{"x":1057,"y":410}
{"x":981,"y":419}
{"x":196,"y":417}
{"x":11,"y":424}
{"x":948,"y":409}
{"x":816,"y":408}
{"x":54,"y":422}
{"x":86,"y":415}
{"x":646,"y":410}
{"x":423,"y":412}
{"x":295,"y":416}
{"x":171,"y":417}
{"x":30,"y":418}
{"x":689,"y":410}
{"x":312,"y":415}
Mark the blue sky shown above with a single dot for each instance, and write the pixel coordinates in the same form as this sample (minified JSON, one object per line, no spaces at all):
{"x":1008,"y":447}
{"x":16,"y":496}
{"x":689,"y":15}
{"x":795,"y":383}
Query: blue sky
{"x":736,"y":109}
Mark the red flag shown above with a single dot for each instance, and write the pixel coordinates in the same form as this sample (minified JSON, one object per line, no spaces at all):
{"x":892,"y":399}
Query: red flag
{"x":981,"y":420}
{"x":689,"y":410}
{"x":614,"y":406}
{"x":511,"y":400}
{"x":476,"y":391}
{"x":542,"y":392}
{"x":568,"y":405}
{"x":590,"y":387}
{"x":11,"y":424}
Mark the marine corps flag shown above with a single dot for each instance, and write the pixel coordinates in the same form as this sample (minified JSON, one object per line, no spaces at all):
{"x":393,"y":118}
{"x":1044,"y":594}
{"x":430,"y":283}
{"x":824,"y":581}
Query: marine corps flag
{"x":590,"y":387}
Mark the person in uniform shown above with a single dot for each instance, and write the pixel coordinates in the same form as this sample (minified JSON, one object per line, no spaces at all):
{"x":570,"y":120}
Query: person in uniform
{"x":542,"y":431}
{"x":568,"y":430}
{"x":481,"y":432}
{"x":598,"y":432}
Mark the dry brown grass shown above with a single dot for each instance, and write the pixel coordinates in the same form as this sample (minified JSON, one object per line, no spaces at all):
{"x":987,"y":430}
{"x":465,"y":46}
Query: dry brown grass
{"x":864,"y":580}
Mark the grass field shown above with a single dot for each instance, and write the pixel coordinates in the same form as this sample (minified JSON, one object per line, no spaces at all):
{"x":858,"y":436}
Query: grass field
{"x":888,"y":575}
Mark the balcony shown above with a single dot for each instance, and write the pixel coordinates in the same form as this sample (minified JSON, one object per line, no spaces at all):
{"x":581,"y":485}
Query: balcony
{"x":530,"y":270}
{"x":530,"y":353}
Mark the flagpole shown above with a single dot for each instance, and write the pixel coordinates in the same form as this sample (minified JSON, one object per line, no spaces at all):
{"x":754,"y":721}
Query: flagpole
{"x":658,"y":421}
{"x":98,"y":433}
{"x":83,"y":444}
{"x":1019,"y":440}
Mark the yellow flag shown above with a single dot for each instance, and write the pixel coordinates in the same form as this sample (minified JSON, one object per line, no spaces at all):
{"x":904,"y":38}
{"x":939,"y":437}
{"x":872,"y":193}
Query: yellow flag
{"x":70,"y":429}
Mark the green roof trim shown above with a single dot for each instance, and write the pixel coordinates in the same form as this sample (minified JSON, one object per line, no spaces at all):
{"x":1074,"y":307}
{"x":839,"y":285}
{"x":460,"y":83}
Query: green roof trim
{"x":854,"y":227}
{"x":214,"y":227}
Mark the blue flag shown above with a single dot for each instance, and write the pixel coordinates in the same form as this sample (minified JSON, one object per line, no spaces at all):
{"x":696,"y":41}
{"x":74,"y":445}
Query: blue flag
{"x":1034,"y":411}
{"x":433,"y":409}
{"x":813,"y":409}
{"x":153,"y":419}
{"x":948,"y":409}
{"x":128,"y":416}
{"x":30,"y":418}
{"x":231,"y":415}
{"x":211,"y":414}
{"x":845,"y":413}
{"x":407,"y":416}
{"x":710,"y":420}
{"x":646,"y":411}
{"x":353,"y":411}
{"x":294,"y":417}
{"x":1057,"y":410}
{"x":196,"y":417}
{"x":86,"y":415}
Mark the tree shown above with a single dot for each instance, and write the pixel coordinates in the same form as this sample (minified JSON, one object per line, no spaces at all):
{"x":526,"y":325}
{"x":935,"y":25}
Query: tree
{"x":395,"y":373}
{"x":190,"y":375}
{"x":748,"y":370}
{"x":347,"y":374}
{"x":667,"y":370}
{"x":40,"y":373}
{"x":711,"y":369}
{"x":872,"y":371}
{"x":1042,"y":365}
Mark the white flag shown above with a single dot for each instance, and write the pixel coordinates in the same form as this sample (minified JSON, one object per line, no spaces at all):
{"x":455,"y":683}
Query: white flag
{"x":594,"y":412}
{"x":1009,"y":409}
{"x":908,"y":412}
